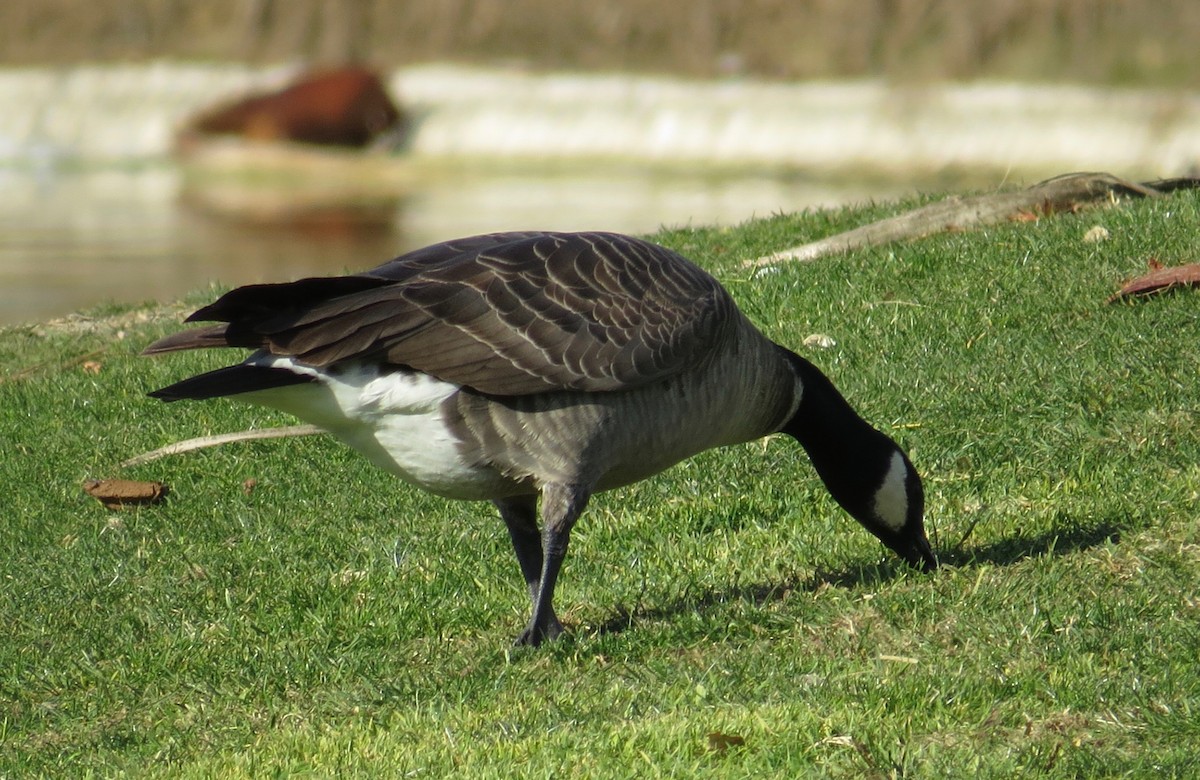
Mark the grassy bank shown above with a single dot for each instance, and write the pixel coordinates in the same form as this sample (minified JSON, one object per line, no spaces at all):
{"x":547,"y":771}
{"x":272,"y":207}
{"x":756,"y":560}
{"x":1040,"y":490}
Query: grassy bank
{"x":330,"y":621}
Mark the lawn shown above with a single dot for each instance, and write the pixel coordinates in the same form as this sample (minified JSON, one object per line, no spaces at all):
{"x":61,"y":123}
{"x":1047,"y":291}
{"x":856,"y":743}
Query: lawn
{"x":726,"y":618}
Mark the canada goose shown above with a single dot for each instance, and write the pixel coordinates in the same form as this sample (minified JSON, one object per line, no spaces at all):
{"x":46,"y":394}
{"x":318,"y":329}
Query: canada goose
{"x":506,"y":366}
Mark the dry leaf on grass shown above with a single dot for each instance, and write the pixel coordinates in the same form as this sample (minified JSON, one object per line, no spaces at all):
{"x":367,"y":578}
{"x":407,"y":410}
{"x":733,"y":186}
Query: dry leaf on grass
{"x":720,"y":743}
{"x":124,"y":493}
{"x":1159,"y":279}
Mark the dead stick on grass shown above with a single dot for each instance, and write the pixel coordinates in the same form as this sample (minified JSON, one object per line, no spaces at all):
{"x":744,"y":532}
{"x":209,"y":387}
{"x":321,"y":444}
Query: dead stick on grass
{"x":225,"y":438}
{"x":58,"y":365}
{"x":1069,"y":192}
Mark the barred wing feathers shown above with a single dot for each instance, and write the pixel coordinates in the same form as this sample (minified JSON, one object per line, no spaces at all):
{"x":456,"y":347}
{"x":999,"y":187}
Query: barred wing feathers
{"x":504,"y":314}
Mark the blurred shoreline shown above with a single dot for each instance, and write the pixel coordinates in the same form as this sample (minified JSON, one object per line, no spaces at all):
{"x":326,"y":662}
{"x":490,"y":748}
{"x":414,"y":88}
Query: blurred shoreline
{"x":124,"y":115}
{"x":93,"y":206}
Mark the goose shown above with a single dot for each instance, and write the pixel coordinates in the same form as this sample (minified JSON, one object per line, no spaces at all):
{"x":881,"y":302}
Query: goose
{"x":518,"y":366}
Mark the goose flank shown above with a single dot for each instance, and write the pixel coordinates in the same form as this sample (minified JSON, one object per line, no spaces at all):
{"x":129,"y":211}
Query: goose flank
{"x":518,"y":367}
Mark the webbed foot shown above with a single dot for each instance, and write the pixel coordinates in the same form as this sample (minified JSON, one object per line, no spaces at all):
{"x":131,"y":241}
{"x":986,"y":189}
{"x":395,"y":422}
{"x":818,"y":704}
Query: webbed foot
{"x":534,"y":634}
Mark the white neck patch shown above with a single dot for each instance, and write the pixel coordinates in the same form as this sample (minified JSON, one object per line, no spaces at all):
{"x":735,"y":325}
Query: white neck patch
{"x":891,"y":499}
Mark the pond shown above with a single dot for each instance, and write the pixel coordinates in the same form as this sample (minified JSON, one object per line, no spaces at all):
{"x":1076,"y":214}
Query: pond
{"x":71,"y":239}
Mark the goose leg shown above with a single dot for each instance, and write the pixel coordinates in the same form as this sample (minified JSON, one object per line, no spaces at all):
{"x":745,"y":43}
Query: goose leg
{"x":520,"y":516}
{"x":561,"y":507}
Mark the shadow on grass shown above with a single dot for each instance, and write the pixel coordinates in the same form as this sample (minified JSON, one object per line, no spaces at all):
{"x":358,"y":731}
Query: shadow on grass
{"x":1067,"y":536}
{"x":1071,"y":537}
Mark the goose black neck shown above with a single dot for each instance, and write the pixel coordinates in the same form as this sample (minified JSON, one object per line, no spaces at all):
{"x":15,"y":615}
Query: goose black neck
{"x":848,"y":454}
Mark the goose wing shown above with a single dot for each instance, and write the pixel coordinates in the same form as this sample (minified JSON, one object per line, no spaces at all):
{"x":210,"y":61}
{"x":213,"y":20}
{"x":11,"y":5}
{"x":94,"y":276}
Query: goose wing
{"x":504,"y":313}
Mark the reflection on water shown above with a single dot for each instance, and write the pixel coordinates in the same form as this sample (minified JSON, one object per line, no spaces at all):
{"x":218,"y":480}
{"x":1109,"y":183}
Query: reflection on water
{"x":70,"y":240}
{"x":75,"y":240}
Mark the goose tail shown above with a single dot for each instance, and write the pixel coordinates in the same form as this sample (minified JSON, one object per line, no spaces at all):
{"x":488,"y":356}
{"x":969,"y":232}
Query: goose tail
{"x":231,"y":380}
{"x":196,"y":338}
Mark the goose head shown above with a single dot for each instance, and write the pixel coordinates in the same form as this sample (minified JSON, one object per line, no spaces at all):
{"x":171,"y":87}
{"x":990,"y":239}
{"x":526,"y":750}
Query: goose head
{"x":863,"y":469}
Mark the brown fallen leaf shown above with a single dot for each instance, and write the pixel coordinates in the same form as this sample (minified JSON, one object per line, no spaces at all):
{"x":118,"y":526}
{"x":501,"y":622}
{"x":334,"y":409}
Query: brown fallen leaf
{"x":124,"y":493}
{"x":720,"y":743}
{"x":1159,"y":279}
{"x":249,"y":485}
{"x":92,"y":366}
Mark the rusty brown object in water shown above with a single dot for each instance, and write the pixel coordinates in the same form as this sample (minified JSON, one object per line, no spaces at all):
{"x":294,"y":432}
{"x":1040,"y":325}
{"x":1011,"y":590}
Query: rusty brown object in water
{"x":343,"y":107}
{"x":125,"y":493}
{"x":1160,"y":279}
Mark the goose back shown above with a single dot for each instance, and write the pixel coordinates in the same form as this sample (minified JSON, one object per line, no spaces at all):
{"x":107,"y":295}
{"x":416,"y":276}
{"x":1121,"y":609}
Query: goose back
{"x":504,"y":314}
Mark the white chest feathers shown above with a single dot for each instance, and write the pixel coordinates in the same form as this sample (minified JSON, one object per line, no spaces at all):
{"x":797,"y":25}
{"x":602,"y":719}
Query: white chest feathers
{"x":891,"y":498}
{"x":393,"y":418}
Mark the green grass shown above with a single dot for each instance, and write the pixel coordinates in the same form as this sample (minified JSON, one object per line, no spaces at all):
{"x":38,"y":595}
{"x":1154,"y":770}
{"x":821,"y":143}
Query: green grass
{"x":333,"y":622}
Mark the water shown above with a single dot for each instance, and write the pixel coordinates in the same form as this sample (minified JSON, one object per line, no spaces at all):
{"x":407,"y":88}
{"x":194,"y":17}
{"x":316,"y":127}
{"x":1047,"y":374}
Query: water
{"x":93,"y":207}
{"x":74,"y":239}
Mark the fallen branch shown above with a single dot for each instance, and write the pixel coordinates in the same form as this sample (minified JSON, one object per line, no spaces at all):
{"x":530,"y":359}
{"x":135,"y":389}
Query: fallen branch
{"x":225,"y":438}
{"x":1067,"y":193}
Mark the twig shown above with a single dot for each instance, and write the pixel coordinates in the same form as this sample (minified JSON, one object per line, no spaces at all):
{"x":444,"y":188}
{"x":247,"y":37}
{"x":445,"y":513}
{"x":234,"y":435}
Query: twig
{"x":224,"y":438}
{"x":59,"y":365}
{"x":1069,"y":192}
